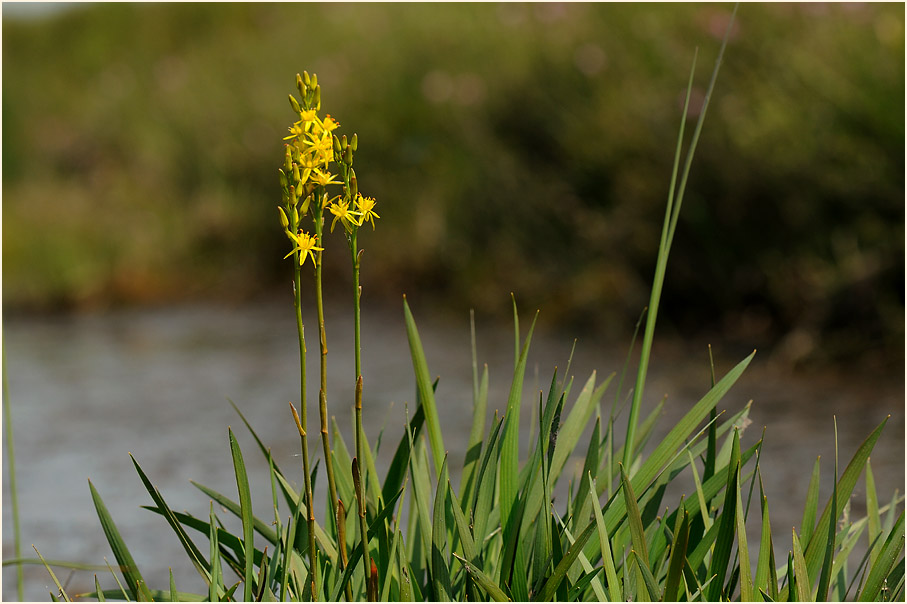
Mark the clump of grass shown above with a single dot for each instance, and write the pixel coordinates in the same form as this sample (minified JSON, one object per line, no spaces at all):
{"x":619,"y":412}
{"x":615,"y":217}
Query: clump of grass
{"x":411,"y":536}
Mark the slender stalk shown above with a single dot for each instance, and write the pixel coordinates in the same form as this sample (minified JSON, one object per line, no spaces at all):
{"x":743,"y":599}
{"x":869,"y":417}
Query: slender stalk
{"x":322,"y":393}
{"x":301,"y":426}
{"x":8,"y":422}
{"x":360,"y":471}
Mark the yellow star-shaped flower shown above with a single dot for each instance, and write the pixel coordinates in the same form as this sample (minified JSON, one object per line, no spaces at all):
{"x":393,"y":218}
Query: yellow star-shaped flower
{"x":305,"y":245}
{"x":366,"y":208}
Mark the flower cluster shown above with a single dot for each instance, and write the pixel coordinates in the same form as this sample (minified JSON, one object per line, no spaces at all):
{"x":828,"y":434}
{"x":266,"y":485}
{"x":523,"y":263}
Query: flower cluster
{"x":311,"y":150}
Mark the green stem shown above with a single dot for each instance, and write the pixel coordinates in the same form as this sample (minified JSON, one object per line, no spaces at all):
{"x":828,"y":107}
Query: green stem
{"x":7,"y":420}
{"x":322,"y":393}
{"x":357,"y":294}
{"x":301,"y":424}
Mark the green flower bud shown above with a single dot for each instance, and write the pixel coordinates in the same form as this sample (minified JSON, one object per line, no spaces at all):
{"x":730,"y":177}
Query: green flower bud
{"x":296,"y":215}
{"x":300,"y":85}
{"x":283,"y":218}
{"x":283,"y":178}
{"x":354,"y":185}
{"x":317,"y":97}
{"x":314,"y":83}
{"x":288,"y":159}
{"x":355,"y":142}
{"x":336,"y":145}
{"x":295,"y":104}
{"x":293,"y":195}
{"x":305,"y":206}
{"x":348,"y":156}
{"x":307,"y":78}
{"x":343,"y":143}
{"x":296,"y":176}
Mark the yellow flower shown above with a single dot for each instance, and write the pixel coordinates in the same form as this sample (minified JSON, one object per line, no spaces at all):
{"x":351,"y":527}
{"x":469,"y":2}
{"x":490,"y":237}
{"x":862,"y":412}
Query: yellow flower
{"x":341,"y":211}
{"x":305,"y":245}
{"x":366,"y":208}
{"x":329,"y":124}
{"x":323,"y":178}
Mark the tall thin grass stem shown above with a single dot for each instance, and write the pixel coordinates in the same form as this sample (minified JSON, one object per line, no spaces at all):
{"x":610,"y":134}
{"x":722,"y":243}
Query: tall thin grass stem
{"x":8,"y":423}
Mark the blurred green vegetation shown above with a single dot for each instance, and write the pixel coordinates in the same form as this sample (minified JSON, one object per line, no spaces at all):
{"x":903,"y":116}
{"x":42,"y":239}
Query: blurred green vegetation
{"x":511,"y":147}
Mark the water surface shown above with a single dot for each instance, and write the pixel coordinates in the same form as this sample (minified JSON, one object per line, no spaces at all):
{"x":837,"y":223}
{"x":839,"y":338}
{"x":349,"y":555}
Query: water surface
{"x":88,"y":389}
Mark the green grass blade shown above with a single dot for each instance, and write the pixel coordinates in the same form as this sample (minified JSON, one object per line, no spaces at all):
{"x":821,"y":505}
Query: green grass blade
{"x":440,"y":571}
{"x":726,"y":527}
{"x":586,"y":403}
{"x":765,"y":562}
{"x":560,"y":571}
{"x":62,"y":591}
{"x":216,"y":585}
{"x":484,"y":581}
{"x":11,"y":475}
{"x":872,"y":512}
{"x":479,"y":406}
{"x":812,"y":503}
{"x":245,"y":506}
{"x":844,"y":487}
{"x":510,"y":446}
{"x":396,"y":472}
{"x":236,"y":509}
{"x":195,"y":555}
{"x":423,"y":384}
{"x":746,"y":580}
{"x":678,"y":556}
{"x":825,"y":573}
{"x":801,"y":573}
{"x":128,"y":568}
{"x":485,"y":485}
{"x":100,"y":594}
{"x":637,"y":533}
{"x":649,"y":581}
{"x":117,"y":579}
{"x":888,"y":556}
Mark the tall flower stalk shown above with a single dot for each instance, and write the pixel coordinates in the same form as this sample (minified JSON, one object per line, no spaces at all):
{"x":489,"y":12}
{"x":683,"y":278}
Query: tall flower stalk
{"x":305,"y":178}
{"x":363,"y":211}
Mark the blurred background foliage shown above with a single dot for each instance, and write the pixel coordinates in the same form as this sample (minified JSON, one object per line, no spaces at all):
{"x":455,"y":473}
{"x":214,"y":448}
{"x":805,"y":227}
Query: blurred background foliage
{"x":511,"y":147}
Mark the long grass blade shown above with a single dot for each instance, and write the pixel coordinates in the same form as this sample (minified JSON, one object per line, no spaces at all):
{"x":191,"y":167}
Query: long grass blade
{"x":484,"y":581}
{"x":845,"y":485}
{"x":888,"y":556}
{"x":801,"y":573}
{"x":60,"y":589}
{"x":510,"y":445}
{"x":726,"y":527}
{"x":195,"y":555}
{"x":677,"y":559}
{"x":423,"y":384}
{"x":134,"y":580}
{"x":812,"y":503}
{"x":872,"y":511}
{"x":440,"y":571}
{"x":245,"y":506}
{"x":746,"y":579}
{"x":560,"y":571}
{"x":11,"y":475}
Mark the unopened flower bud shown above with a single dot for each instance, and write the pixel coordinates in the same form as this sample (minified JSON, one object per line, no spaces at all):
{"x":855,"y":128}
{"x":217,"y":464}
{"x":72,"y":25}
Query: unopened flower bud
{"x":354,"y":143}
{"x":283,"y":178}
{"x":336,"y":146}
{"x":296,"y":215}
{"x":305,"y":206}
{"x":314,"y":83}
{"x":317,"y":97}
{"x":296,"y":175}
{"x":354,"y":186}
{"x":343,"y":143}
{"x":293,"y":195}
{"x":288,"y":159}
{"x":294,"y":104}
{"x":283,"y":218}
{"x":306,"y":78}
{"x":348,"y":156}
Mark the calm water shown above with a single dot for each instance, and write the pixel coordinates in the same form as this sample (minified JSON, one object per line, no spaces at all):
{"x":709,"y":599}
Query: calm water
{"x":86,"y":390}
